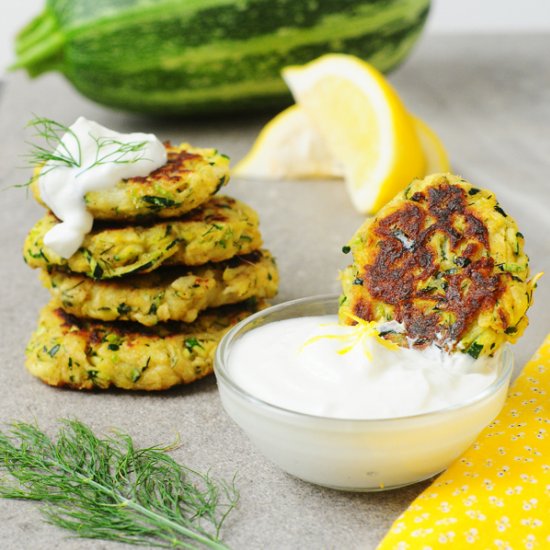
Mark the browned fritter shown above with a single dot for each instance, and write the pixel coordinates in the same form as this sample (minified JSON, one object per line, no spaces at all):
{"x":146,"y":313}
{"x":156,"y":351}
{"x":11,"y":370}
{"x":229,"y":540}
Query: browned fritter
{"x":218,"y":230}
{"x":85,"y":354}
{"x":446,"y":261}
{"x":188,"y":179}
{"x":176,"y":293}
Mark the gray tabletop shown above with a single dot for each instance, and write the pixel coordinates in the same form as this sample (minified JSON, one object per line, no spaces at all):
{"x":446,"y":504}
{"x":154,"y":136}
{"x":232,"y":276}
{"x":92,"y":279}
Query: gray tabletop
{"x":489,"y":99}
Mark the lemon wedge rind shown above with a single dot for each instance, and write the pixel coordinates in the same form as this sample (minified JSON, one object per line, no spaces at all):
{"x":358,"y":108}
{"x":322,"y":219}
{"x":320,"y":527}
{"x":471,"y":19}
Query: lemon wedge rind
{"x":437,"y":159}
{"x":363,"y":123}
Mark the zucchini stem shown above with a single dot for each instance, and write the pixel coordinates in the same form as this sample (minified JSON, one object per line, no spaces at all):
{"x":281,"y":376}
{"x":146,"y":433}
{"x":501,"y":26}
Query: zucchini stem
{"x":39,"y":45}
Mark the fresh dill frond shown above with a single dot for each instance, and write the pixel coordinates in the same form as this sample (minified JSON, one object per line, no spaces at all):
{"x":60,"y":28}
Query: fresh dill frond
{"x":52,"y":133}
{"x":121,"y":154}
{"x":54,"y":150}
{"x":106,"y":488}
{"x":124,"y":152}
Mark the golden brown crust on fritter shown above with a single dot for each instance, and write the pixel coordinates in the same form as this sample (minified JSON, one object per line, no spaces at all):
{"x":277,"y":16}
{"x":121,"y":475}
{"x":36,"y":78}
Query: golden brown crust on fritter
{"x":187,"y":180}
{"x":80,"y":354}
{"x":220,"y":229}
{"x":168,"y":294}
{"x":445,"y":260}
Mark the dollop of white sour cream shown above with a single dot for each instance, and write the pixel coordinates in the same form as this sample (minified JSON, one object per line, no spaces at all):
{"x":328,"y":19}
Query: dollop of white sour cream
{"x":100,"y":161}
{"x":307,"y":365}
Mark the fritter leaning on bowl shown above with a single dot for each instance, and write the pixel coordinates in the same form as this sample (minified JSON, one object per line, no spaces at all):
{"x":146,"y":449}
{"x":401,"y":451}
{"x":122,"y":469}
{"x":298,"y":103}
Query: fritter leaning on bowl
{"x":447,"y":262}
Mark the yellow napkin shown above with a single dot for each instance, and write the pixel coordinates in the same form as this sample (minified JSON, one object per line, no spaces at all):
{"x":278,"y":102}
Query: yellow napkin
{"x":497,"y":494}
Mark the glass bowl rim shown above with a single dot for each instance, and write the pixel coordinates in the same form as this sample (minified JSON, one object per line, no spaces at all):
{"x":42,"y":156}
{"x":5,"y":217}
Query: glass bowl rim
{"x":224,"y":347}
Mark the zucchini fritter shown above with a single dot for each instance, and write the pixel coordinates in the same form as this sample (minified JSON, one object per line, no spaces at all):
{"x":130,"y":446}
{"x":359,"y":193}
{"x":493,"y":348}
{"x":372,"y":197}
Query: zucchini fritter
{"x":188,"y":179}
{"x":220,"y":229}
{"x":168,"y":294}
{"x":80,"y":354}
{"x":446,"y":261}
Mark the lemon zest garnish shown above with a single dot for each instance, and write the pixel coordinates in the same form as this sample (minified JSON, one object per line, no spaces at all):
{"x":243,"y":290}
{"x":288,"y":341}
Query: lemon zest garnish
{"x":369,"y":329}
{"x":536,"y":278}
{"x":362,"y":331}
{"x":314,"y":339}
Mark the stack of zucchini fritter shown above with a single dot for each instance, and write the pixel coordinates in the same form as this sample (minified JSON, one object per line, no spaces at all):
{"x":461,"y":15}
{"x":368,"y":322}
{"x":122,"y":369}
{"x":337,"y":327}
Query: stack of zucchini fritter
{"x":166,"y":270}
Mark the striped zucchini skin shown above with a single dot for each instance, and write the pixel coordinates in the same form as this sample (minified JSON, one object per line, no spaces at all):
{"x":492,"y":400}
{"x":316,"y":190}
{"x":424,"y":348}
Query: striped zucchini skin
{"x":208,"y":56}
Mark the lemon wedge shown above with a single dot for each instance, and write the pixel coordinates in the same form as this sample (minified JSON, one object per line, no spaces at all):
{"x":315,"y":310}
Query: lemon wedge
{"x":363,"y":123}
{"x":289,"y":147}
{"x":437,"y":159}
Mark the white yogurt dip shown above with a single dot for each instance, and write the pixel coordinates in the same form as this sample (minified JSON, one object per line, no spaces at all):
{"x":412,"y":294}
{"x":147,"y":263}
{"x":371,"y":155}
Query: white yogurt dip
{"x":298,"y":364}
{"x":98,"y":158}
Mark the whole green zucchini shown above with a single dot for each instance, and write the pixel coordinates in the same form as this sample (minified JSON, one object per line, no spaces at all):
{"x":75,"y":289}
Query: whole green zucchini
{"x":207,"y":56}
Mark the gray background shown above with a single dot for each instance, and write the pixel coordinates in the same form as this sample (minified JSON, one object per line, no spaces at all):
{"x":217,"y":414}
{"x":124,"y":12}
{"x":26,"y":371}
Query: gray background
{"x":489,"y":99}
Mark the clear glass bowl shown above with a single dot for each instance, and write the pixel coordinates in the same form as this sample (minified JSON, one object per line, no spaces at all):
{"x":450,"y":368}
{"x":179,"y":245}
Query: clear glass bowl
{"x":353,"y":455}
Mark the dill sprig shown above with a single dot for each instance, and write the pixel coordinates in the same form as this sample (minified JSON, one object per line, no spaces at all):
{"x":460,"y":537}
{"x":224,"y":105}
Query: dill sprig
{"x":109,"y":489}
{"x":55,"y":151}
{"x":52,"y":133}
{"x":120,"y":155}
